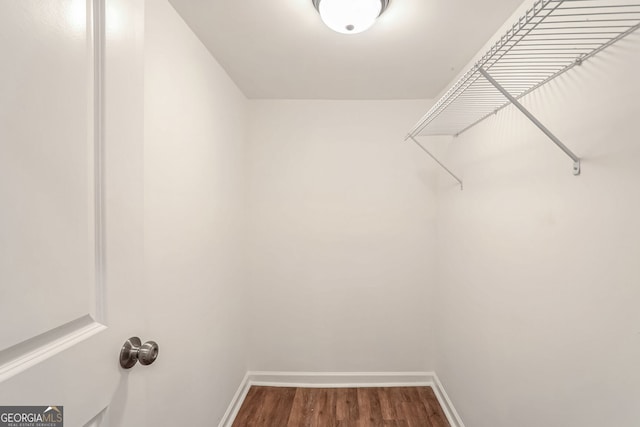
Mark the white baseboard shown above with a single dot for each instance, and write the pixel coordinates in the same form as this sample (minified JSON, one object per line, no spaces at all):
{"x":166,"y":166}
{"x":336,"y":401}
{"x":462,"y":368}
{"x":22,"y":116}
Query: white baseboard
{"x":234,"y":407}
{"x":446,"y":404}
{"x":341,"y":380}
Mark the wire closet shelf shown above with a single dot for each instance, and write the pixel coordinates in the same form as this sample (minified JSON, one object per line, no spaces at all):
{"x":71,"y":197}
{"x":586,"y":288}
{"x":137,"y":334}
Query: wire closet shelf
{"x":550,"y":39}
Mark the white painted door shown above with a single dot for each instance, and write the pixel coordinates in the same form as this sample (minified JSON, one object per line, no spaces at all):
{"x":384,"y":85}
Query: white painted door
{"x":71,"y":199}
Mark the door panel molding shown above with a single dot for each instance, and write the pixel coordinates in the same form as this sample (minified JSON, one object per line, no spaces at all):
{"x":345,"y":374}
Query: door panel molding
{"x":97,"y":22}
{"x":98,"y":420}
{"x":19,"y":357}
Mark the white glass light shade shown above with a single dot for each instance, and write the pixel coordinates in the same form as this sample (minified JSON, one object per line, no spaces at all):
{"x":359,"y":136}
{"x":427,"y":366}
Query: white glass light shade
{"x":349,"y":16}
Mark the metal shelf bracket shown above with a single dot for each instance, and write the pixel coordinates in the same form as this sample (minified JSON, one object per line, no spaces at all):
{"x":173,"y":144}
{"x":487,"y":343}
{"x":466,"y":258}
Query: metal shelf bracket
{"x":436,"y":160}
{"x":530,"y":116}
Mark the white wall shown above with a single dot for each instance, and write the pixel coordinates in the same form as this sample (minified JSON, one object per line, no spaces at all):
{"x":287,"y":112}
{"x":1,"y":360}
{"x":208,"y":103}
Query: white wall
{"x":195,"y":121}
{"x":539,"y":272}
{"x":342,"y":237}
{"x":521,"y":291}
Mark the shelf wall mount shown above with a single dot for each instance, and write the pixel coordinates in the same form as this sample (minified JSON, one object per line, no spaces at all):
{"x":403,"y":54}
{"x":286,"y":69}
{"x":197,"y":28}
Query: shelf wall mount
{"x":527,"y":113}
{"x":435,"y":159}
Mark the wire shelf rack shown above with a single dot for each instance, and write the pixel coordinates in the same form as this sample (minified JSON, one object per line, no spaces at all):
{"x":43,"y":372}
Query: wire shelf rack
{"x":550,"y":39}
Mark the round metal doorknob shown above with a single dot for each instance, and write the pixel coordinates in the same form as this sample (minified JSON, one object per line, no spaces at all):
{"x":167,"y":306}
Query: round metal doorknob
{"x":133,"y":351}
{"x":148,"y":353}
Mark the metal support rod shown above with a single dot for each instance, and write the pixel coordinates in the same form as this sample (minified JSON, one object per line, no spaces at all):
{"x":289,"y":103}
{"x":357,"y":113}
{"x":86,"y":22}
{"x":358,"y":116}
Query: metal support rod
{"x":567,"y":151}
{"x":436,"y":160}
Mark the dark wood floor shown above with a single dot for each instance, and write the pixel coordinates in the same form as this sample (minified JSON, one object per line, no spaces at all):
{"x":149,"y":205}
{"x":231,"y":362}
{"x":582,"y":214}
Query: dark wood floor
{"x":341,"y":407}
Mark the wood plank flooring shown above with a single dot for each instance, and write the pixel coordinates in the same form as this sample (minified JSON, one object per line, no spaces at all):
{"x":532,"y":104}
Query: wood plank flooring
{"x":341,"y":407}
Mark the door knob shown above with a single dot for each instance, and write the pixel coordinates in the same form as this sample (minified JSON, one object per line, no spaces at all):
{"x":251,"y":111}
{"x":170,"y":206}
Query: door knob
{"x":133,"y":351}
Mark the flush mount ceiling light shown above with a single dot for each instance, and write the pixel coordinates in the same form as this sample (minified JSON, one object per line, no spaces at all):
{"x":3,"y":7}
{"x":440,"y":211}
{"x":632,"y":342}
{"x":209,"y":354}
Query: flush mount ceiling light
{"x":350,"y":16}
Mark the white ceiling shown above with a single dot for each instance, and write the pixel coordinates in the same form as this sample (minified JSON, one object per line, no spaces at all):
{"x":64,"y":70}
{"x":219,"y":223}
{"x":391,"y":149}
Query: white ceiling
{"x":281,"y":48}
